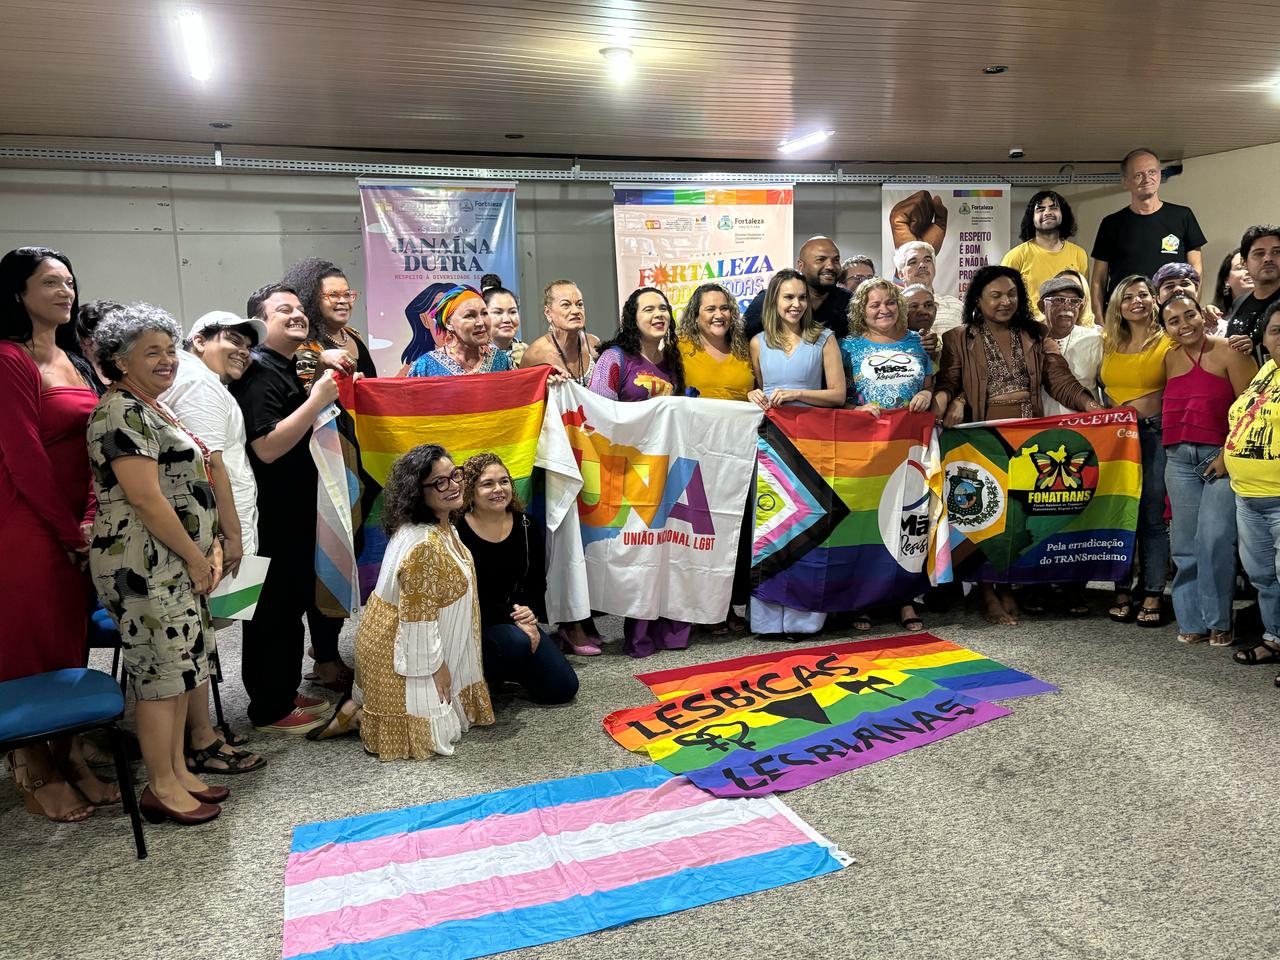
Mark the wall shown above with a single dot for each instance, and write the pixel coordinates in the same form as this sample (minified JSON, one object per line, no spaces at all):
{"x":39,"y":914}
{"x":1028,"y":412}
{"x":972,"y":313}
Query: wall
{"x":193,"y":242}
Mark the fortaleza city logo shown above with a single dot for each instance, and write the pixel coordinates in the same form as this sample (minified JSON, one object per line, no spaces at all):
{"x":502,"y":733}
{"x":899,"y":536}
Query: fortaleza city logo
{"x":726,"y":222}
{"x":974,"y":498}
{"x":619,"y":481}
{"x":1057,"y":469}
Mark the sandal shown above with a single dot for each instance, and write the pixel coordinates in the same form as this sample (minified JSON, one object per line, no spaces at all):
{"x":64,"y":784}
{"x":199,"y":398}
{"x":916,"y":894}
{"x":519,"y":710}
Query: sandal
{"x":1151,"y":616}
{"x":1221,"y":638}
{"x":911,"y":624}
{"x":719,"y":629}
{"x":339,"y":724}
{"x":30,"y":789}
{"x":1192,"y":637}
{"x":1123,"y":610}
{"x":862,"y":622}
{"x":237,"y":761}
{"x":1251,"y":657}
{"x":736,"y":623}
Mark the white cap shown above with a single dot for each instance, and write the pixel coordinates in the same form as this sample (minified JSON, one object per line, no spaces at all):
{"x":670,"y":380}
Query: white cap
{"x":216,"y":320}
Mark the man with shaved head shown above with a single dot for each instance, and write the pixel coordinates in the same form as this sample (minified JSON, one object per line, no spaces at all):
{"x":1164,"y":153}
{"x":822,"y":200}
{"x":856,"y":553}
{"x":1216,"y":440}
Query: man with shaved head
{"x":819,"y":261}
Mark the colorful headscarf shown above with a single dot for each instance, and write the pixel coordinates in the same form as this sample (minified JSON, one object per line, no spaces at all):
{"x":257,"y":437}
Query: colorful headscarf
{"x":447,"y":304}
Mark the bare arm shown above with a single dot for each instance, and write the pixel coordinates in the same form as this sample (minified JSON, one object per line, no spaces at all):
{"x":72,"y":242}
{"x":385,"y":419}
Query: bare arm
{"x":1241,"y":369}
{"x":1193,"y":258}
{"x":1098,"y":286}
{"x":284,"y":436}
{"x":140,"y":480}
{"x":228,"y":519}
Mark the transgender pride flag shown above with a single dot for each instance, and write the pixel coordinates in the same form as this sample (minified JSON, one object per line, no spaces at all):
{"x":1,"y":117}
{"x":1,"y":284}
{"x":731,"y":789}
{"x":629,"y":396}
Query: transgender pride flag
{"x":481,"y":875}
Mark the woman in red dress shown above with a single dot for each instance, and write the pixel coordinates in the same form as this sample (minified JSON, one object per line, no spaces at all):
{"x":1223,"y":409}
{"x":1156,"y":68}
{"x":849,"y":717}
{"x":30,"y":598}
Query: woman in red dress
{"x":45,"y":501}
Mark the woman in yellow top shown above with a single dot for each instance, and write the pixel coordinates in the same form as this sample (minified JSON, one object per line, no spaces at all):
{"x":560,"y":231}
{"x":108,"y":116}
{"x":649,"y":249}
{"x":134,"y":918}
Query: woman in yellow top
{"x":1253,"y":460}
{"x":713,"y":342}
{"x":1133,"y":375}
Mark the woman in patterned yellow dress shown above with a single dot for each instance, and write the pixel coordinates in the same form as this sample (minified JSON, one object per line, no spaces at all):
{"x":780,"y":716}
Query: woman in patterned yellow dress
{"x":419,"y":680}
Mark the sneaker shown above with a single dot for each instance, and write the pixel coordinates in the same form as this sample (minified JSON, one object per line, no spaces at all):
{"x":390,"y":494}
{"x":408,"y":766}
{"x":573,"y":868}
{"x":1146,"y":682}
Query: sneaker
{"x":296,"y":722}
{"x":311,"y":704}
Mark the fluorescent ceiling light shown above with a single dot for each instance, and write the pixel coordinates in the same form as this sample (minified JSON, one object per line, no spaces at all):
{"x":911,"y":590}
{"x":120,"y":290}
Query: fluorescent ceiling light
{"x":195,"y":44}
{"x":803,"y":143}
{"x":619,"y":60}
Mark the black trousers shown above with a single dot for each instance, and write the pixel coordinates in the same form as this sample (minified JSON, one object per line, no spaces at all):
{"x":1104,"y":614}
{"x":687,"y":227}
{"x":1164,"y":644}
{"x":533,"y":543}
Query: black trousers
{"x":324,"y":634}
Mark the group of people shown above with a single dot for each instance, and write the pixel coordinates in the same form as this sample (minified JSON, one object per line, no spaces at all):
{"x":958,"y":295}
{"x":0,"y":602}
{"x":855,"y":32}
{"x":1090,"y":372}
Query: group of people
{"x":140,"y":463}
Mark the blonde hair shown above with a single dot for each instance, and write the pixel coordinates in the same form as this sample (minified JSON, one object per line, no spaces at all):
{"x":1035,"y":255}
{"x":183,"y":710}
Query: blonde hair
{"x":858,"y":306}
{"x":1117,"y":332}
{"x":810,"y":328}
{"x":737,"y":329}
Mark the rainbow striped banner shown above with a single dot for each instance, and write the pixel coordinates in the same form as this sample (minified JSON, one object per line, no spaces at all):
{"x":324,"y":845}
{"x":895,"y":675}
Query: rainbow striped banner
{"x":783,"y":720}
{"x":486,"y":874}
{"x":499,"y":412}
{"x":1040,"y":501}
{"x":843,"y":503}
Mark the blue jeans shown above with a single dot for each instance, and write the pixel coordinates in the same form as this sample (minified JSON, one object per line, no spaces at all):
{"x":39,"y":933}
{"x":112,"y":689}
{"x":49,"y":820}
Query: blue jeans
{"x":1203,"y":533}
{"x":545,"y":674}
{"x":1153,"y":538}
{"x":1258,"y":520}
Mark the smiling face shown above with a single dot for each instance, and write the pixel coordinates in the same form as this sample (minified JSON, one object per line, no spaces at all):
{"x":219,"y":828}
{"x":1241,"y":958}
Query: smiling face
{"x":151,"y":363}
{"x":1047,"y":215}
{"x":819,"y":261}
{"x":442,"y":489}
{"x":999,"y":301}
{"x":469,"y":324}
{"x":882,"y":312}
{"x":922,"y":310}
{"x":1238,"y":280}
{"x":1062,"y":311}
{"x":504,"y":318}
{"x":653,"y":317}
{"x":566,"y":310}
{"x":1183,"y":322}
{"x":336,"y":301}
{"x":286,"y":323}
{"x":1177,"y":285}
{"x":493,"y":490}
{"x":919,"y":268}
{"x":715,"y":317}
{"x":49,"y":294}
{"x":1142,"y":176}
{"x":792,"y":302}
{"x":1136,"y":303}
{"x":225,"y":352}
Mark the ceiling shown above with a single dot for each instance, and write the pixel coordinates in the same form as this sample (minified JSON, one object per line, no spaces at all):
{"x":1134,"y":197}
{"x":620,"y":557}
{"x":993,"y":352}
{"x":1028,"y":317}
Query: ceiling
{"x":898,"y":80}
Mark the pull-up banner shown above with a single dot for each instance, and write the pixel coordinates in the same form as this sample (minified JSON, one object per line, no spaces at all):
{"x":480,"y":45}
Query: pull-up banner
{"x":676,"y":238}
{"x":417,"y":233}
{"x":966,"y":223}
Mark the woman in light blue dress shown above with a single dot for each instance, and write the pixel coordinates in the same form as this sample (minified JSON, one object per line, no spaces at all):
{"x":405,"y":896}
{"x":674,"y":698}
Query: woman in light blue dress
{"x":796,"y":360}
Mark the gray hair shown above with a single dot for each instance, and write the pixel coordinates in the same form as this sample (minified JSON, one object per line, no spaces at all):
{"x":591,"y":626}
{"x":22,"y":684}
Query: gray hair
{"x":117,"y":332}
{"x":901,"y":255}
{"x":915,"y":288}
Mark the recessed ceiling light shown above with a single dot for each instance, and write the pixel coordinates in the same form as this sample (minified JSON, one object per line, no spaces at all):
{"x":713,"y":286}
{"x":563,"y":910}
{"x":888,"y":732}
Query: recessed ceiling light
{"x":514,"y":136}
{"x":619,"y":60}
{"x":220,"y":125}
{"x":995,"y":68}
{"x":195,"y":44}
{"x":804,"y":142}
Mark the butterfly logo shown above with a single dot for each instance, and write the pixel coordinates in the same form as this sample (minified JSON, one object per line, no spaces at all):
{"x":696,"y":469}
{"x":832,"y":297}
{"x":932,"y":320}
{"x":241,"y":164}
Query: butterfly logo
{"x":1058,"y":470}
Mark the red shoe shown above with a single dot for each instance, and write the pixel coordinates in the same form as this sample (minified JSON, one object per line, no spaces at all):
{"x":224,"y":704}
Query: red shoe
{"x":296,"y":722}
{"x":155,"y":811}
{"x":311,"y":704}
{"x":211,"y":794}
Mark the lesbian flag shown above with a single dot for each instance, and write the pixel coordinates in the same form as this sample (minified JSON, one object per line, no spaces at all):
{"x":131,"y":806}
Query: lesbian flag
{"x":485,"y":874}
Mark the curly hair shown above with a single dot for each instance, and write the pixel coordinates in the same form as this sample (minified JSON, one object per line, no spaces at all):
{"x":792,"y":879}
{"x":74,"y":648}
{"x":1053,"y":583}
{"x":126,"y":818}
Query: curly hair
{"x":1116,"y":330}
{"x":1022,"y":318}
{"x":307,"y":278}
{"x":737,"y":328}
{"x":402,"y":499}
{"x":627,"y":338}
{"x":810,"y":329}
{"x":858,"y":305}
{"x":117,"y":332}
{"x":91,"y":314}
{"x":471,"y":470}
{"x":1066,"y":229}
{"x":16,"y":268}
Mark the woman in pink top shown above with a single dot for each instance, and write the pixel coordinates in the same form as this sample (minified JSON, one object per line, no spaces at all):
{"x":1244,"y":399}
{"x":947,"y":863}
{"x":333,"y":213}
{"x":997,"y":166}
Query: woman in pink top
{"x":1204,"y":377}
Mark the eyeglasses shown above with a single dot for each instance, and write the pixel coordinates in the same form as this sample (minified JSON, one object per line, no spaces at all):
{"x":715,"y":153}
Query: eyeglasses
{"x":1065,"y":301}
{"x":346,"y":296}
{"x":442,"y":484}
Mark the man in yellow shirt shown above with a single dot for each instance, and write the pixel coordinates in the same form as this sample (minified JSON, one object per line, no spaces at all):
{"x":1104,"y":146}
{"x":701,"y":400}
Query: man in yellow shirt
{"x":1046,"y":248}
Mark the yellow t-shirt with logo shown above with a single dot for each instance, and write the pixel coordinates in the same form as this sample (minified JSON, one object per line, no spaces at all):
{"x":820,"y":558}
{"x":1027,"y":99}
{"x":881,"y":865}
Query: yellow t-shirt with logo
{"x":1252,"y":449}
{"x":1038,"y":265}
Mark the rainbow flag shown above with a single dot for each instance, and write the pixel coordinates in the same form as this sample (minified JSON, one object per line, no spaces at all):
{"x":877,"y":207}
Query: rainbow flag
{"x":843,"y":504}
{"x":1050,"y":500}
{"x":499,"y":412}
{"x":783,"y":720}
{"x":486,"y":874}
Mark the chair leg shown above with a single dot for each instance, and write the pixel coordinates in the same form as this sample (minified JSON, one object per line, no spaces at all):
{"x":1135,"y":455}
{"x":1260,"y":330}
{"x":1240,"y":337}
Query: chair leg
{"x":124,"y":775}
{"x":215,"y":680}
{"x":115,"y":660}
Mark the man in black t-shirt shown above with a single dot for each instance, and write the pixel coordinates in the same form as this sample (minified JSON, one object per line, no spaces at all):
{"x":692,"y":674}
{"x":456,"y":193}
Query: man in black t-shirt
{"x":819,"y":261}
{"x":1260,"y":251}
{"x":1145,"y":235}
{"x":278,"y":414}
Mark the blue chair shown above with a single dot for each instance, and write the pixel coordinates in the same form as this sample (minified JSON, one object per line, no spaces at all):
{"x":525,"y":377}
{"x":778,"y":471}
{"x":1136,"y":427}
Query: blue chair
{"x":63,"y":702}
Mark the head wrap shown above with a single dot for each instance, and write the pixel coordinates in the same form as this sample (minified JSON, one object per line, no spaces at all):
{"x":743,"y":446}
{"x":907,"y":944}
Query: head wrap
{"x":447,"y":305}
{"x":1174,"y":271}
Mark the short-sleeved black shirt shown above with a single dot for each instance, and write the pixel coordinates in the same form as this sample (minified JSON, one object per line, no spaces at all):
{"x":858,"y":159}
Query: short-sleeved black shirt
{"x":833,"y":314}
{"x":269,"y":392}
{"x":1245,"y":319}
{"x":1140,"y":243}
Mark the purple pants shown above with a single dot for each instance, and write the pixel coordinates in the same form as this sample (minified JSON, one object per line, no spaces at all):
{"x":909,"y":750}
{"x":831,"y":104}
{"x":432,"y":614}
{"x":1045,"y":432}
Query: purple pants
{"x":642,"y":638}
